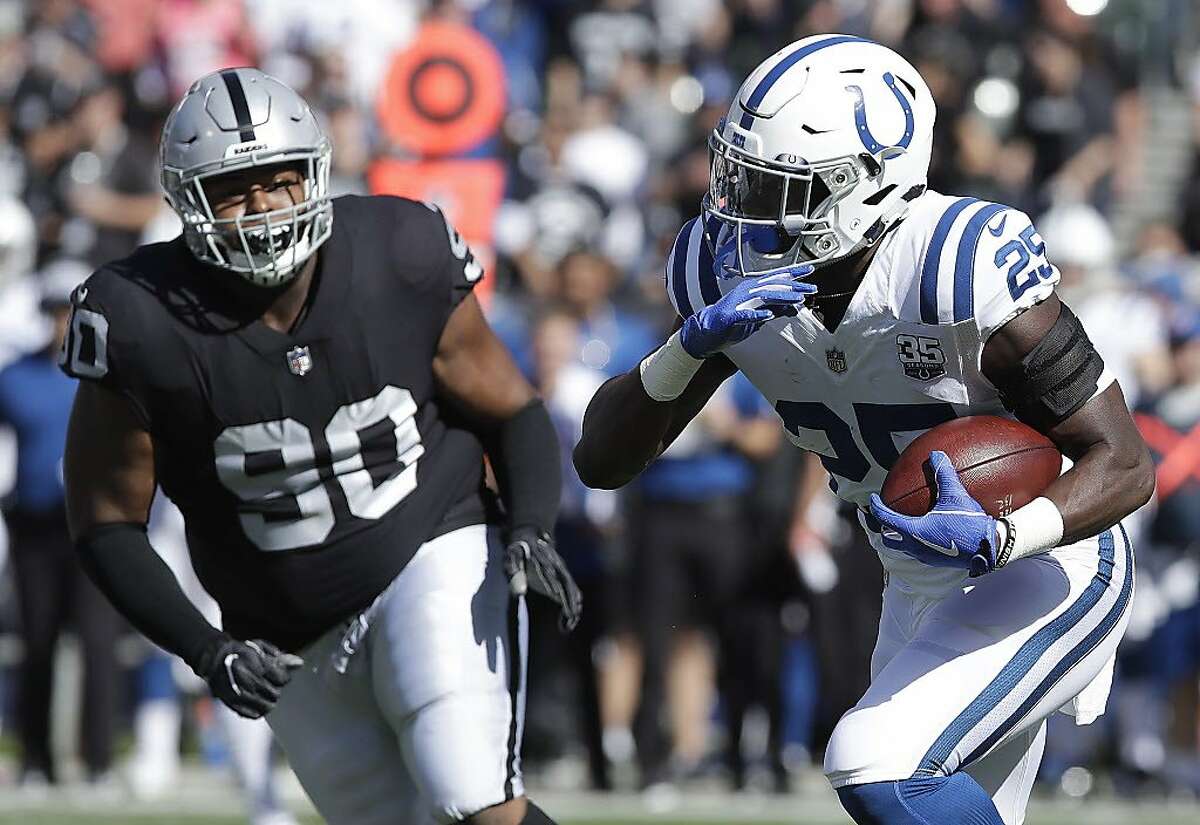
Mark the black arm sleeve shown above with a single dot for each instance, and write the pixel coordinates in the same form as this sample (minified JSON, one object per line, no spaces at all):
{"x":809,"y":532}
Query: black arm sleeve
{"x":120,"y":560}
{"x":527,"y":462}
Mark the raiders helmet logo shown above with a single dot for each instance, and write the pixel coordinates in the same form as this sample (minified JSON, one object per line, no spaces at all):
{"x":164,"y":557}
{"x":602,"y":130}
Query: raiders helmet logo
{"x":299,"y":360}
{"x":836,"y":359}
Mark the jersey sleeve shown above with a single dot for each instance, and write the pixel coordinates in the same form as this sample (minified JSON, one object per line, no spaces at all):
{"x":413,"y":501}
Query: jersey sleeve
{"x":690,"y":280}
{"x":1011,"y":271}
{"x":463,"y":270}
{"x":99,"y":345}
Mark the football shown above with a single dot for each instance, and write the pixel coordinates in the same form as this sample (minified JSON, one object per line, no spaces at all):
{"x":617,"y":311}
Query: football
{"x":1004,"y":464}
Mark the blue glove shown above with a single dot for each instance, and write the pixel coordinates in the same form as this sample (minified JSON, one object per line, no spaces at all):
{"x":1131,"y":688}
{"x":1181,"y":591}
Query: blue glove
{"x":743,"y":310}
{"x":955,"y":533}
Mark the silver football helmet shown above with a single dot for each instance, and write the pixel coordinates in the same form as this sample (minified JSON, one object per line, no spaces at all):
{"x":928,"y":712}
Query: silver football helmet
{"x":236,"y":119}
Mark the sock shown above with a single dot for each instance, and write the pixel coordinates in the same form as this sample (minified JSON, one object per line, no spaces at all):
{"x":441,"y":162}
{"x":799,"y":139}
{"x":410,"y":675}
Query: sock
{"x":933,"y":800}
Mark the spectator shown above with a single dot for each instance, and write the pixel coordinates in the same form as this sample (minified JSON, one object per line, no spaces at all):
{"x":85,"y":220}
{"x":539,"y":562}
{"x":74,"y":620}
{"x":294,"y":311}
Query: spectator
{"x":1068,"y":117}
{"x":582,"y":533}
{"x":1162,"y":653}
{"x":22,"y":326}
{"x":201,"y":36}
{"x":35,"y":399}
{"x":112,"y":180}
{"x":1128,"y":329}
{"x":690,"y":537}
{"x":611,"y":339}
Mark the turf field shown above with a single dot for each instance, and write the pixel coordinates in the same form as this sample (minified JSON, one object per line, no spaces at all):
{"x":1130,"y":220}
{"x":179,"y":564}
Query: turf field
{"x":205,"y":797}
{"x":624,"y":810}
{"x":1149,"y":816}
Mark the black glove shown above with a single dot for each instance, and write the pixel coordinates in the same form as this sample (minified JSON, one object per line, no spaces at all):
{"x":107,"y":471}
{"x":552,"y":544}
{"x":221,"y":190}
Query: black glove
{"x":531,"y":562}
{"x":247,"y":676}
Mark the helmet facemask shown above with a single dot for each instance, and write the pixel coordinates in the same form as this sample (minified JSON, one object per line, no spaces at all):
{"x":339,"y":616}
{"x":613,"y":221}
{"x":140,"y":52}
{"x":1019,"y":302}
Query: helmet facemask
{"x":266,"y":248}
{"x":779,"y":210}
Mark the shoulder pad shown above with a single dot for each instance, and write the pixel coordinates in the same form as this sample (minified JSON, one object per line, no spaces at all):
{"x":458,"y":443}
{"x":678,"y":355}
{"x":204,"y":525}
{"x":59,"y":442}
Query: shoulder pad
{"x":87,"y":347}
{"x":690,"y":279}
{"x":982,"y":261}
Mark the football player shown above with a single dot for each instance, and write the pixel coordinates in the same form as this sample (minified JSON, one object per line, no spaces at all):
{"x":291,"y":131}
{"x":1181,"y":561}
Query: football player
{"x":867,"y":310}
{"x":310,"y":379}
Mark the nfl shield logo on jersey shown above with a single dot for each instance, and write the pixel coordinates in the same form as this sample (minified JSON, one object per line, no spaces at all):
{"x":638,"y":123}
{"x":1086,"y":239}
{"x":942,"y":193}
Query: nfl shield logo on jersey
{"x":836,"y":359}
{"x":299,"y":360}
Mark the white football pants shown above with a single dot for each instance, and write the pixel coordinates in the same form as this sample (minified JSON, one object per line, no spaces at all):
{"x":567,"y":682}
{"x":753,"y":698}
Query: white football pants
{"x":966,"y":681}
{"x":425,"y":723}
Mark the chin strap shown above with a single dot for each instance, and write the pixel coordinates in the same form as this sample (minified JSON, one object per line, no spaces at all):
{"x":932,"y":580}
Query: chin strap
{"x":820,"y":295}
{"x":891,"y":219}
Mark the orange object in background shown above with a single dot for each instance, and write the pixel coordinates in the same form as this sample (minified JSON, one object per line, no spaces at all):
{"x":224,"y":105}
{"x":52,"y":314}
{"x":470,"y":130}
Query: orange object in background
{"x":444,"y":96}
{"x":468,"y":191}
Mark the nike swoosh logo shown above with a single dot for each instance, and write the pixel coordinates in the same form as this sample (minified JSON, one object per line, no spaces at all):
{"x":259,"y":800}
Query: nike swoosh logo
{"x":951,"y":551}
{"x":999,"y":227}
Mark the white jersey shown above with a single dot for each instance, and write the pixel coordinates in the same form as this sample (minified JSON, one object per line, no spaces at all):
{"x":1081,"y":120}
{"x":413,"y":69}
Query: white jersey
{"x":905,"y":357}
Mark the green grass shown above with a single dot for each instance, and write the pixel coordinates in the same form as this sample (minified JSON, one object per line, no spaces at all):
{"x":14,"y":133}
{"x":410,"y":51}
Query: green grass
{"x":810,"y":806}
{"x":25,"y":818}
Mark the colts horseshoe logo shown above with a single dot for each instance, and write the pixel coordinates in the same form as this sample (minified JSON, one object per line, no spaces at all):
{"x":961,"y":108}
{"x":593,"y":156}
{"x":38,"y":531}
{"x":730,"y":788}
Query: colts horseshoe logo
{"x":860,"y":118}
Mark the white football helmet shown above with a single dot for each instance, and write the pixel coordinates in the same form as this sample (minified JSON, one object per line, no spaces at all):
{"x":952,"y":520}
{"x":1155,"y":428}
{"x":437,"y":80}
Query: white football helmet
{"x":824,"y":147}
{"x":232,"y":120}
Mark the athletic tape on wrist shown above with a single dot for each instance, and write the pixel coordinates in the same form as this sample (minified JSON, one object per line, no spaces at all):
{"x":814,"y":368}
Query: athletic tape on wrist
{"x":666,"y":371}
{"x":1032,"y":529}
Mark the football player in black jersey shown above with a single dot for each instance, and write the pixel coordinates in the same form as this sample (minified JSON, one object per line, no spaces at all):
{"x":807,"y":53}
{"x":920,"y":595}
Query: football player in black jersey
{"x":311,"y":380}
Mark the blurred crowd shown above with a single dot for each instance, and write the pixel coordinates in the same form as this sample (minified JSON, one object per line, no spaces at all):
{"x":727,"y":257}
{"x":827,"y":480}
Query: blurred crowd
{"x":732,"y":605}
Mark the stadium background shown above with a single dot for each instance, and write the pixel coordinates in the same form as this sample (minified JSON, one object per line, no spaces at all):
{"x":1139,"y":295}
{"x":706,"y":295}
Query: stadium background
{"x":566,"y":139}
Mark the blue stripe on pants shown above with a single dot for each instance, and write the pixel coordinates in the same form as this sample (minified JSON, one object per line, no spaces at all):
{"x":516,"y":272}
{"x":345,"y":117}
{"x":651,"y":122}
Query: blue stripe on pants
{"x":933,"y":763}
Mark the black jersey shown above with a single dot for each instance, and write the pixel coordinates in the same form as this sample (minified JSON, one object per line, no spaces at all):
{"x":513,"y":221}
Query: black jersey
{"x":309,"y":466}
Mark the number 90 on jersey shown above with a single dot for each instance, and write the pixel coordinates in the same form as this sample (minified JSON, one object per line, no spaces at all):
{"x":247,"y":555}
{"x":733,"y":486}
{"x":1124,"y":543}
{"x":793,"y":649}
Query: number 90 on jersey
{"x":280,"y":470}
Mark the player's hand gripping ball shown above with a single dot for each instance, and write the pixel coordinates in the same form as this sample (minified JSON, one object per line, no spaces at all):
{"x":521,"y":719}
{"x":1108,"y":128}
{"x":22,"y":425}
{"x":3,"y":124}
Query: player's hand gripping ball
{"x":978,"y":465}
{"x":1003,"y":463}
{"x":955,"y":533}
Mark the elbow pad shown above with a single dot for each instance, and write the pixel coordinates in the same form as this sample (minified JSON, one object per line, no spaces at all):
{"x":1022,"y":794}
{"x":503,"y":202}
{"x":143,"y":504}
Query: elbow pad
{"x":1056,"y":378}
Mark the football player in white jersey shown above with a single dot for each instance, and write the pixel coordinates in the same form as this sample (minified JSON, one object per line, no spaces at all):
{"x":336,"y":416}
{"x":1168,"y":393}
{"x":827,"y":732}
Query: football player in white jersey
{"x":867,"y":310}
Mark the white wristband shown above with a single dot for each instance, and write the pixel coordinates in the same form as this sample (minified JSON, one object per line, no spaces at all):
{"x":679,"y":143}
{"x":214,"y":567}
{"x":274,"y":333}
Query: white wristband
{"x":667,"y":371}
{"x":1034,"y":528}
